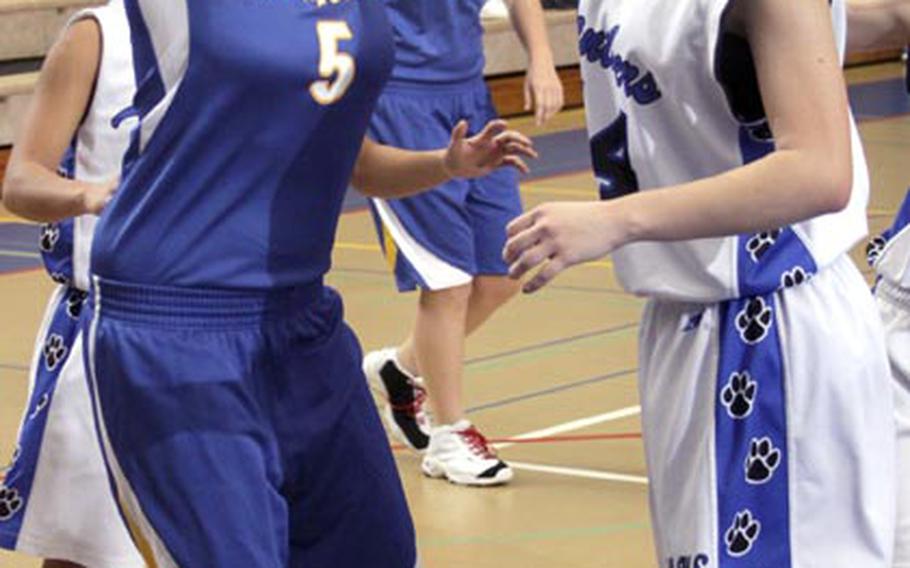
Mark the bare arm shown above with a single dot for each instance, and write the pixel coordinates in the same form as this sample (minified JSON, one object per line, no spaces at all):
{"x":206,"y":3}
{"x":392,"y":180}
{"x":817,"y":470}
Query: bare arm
{"x":387,"y":172}
{"x":543,"y":89}
{"x":809,"y":174}
{"x":877,"y":24}
{"x":32,"y":188}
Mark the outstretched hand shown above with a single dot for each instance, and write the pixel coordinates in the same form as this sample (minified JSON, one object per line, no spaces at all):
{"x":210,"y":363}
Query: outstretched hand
{"x":556,"y":236}
{"x":495,"y":146}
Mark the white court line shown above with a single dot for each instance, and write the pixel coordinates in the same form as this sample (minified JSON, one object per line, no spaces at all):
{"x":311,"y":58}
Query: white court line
{"x":578,"y":472}
{"x":574,"y":425}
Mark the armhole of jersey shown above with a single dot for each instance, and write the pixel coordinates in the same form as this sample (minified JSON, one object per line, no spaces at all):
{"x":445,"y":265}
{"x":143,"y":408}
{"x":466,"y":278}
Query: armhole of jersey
{"x":90,"y":14}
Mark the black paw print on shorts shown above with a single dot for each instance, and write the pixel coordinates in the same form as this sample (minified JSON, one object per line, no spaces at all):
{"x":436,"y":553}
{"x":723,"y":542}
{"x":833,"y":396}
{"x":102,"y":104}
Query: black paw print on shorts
{"x":10,"y":502}
{"x":54,"y":351}
{"x":874,"y":249}
{"x":794,"y":277}
{"x":50,"y":234}
{"x":754,"y":321}
{"x":75,"y":302}
{"x":759,"y":244}
{"x":742,"y":534}
{"x":739,"y":395}
{"x":762,"y":461}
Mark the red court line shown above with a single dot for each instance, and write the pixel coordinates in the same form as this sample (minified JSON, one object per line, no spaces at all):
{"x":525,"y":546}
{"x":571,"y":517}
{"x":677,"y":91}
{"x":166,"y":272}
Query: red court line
{"x":556,"y":439}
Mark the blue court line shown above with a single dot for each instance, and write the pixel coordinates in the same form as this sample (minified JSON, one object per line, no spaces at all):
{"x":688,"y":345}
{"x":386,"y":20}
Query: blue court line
{"x":550,"y":343}
{"x":549,"y":391}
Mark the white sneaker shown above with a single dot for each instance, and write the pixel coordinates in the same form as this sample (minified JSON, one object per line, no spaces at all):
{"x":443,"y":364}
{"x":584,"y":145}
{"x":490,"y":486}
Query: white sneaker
{"x":404,"y":395}
{"x":461,"y":454}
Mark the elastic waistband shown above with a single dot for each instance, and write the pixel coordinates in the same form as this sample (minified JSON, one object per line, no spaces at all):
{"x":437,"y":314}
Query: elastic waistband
{"x":892,"y":293}
{"x":468,"y":86}
{"x":139,"y":303}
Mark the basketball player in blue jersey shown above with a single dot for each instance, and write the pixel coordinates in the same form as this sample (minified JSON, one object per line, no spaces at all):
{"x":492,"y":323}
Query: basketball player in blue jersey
{"x":55,"y":500}
{"x":234,"y":416}
{"x":447,"y":242}
{"x":734,"y":185}
{"x":884,"y":24}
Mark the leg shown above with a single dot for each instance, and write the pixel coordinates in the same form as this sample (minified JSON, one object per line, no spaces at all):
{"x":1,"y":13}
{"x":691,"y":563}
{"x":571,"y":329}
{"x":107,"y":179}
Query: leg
{"x":439,"y":334}
{"x":488,"y":294}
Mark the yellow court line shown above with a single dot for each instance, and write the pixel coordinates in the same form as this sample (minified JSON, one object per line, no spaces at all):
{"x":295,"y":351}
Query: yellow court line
{"x":19,"y":254}
{"x":566,"y":192}
{"x":14,"y":219}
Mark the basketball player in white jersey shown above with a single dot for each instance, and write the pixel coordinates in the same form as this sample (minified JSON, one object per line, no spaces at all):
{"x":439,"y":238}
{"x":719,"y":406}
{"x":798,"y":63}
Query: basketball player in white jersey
{"x":55,"y":500}
{"x":734,"y":185}
{"x":883,"y":24}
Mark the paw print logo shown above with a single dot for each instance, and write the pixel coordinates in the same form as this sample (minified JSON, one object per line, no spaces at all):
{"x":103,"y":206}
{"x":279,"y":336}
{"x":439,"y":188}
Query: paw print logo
{"x":754,"y":321}
{"x":75,"y":302}
{"x":50,"y":234}
{"x":874,"y":249}
{"x":59,"y":278}
{"x":762,"y":461}
{"x":760,"y":243}
{"x":742,"y":534}
{"x":794,"y":277}
{"x":738,"y":395}
{"x":54,"y":351}
{"x":10,"y":502}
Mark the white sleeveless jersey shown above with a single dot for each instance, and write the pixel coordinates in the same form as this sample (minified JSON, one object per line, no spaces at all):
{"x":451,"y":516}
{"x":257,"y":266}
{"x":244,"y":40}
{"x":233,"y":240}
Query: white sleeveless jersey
{"x":104,"y":135}
{"x":670,"y":99}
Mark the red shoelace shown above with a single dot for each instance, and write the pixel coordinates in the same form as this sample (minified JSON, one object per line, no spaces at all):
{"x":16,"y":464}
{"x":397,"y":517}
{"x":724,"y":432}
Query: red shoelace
{"x":477,"y":442}
{"x":416,"y":406}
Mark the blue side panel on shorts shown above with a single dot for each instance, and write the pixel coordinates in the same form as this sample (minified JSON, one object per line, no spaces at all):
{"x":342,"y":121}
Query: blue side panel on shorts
{"x":17,"y":485}
{"x":751,"y":438}
{"x":769,"y":260}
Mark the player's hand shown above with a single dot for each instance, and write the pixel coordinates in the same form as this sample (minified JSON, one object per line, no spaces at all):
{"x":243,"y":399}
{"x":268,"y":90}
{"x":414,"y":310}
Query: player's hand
{"x":95,"y":197}
{"x":543,"y":92}
{"x":556,"y":236}
{"x":494,"y":147}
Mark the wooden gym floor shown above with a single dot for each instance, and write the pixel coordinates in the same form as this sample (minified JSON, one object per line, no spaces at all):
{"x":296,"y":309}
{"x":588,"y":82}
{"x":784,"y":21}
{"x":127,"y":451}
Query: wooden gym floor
{"x":552,"y":375}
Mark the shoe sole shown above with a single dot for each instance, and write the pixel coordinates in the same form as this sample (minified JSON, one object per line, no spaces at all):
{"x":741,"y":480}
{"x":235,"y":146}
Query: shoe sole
{"x":377,"y":385}
{"x":434,"y":470}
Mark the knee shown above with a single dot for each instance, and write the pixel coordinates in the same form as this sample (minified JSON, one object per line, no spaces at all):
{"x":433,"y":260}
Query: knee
{"x":449,"y":300}
{"x":494,"y":291}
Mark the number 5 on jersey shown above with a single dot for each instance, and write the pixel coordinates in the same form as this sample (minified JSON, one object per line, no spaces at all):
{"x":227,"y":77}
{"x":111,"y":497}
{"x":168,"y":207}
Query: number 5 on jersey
{"x":336,"y":68}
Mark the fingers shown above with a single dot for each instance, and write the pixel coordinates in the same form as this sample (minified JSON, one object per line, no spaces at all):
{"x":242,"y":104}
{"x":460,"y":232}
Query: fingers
{"x":544,"y":276}
{"x":530,"y":258}
{"x":459,"y":132}
{"x":519,"y":243}
{"x":522,"y":223}
{"x":540,"y":106}
{"x":493,"y":129}
{"x":517,"y":163}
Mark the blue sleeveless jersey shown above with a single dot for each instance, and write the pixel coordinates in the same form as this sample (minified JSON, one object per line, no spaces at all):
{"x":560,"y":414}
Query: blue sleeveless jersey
{"x":252,"y":114}
{"x":437,"y":41}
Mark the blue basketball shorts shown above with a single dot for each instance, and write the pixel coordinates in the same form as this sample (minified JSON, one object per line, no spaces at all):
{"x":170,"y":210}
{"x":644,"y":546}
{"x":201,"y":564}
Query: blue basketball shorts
{"x":239,"y":431}
{"x":445,"y":237}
